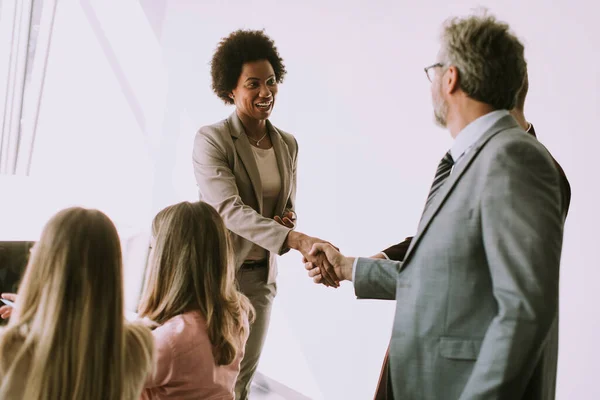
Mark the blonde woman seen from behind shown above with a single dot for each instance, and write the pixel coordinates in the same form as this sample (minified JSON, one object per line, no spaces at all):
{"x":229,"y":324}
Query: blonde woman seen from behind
{"x":190,"y":292}
{"x":67,"y":338}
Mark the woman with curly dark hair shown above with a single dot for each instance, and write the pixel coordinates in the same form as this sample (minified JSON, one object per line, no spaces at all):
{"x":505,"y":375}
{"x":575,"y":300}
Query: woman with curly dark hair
{"x":246,"y":169}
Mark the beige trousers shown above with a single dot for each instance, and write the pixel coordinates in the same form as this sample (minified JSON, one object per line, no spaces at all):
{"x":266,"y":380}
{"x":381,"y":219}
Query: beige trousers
{"x":253,"y":283}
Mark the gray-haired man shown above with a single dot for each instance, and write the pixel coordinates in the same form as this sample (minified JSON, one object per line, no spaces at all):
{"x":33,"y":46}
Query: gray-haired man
{"x":477,"y":292}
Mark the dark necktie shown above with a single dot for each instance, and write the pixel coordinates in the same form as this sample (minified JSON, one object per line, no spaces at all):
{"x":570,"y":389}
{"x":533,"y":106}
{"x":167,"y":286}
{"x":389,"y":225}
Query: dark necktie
{"x":442,"y":173}
{"x":384,"y":387}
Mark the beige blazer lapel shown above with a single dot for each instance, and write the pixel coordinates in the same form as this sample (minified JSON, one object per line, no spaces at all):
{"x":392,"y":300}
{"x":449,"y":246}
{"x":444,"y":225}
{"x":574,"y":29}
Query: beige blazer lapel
{"x":282,"y":153}
{"x":242,"y":146}
{"x":430,"y":212}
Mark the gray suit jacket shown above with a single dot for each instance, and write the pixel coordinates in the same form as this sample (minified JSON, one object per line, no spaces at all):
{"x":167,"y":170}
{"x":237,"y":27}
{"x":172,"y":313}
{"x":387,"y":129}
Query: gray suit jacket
{"x":228,"y":179}
{"x":477,"y":293}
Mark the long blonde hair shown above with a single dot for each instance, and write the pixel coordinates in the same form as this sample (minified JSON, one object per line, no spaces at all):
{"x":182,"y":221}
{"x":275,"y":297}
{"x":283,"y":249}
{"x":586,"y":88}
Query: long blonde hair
{"x":192,"y":268}
{"x":66,"y":338}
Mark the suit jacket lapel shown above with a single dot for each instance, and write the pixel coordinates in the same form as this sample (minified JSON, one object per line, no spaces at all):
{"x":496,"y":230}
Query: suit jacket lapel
{"x":282,"y":154}
{"x":430,"y":212}
{"x":242,"y":145}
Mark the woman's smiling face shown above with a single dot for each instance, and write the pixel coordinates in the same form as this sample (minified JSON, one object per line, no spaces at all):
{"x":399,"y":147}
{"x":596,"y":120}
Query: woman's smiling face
{"x":254,"y":95}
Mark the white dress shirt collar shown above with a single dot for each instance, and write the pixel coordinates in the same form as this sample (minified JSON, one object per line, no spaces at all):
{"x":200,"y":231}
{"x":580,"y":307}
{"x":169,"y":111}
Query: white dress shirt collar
{"x":472,"y":132}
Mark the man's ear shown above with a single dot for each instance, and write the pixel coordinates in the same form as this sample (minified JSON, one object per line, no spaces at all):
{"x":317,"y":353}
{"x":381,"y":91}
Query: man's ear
{"x":452,"y":80}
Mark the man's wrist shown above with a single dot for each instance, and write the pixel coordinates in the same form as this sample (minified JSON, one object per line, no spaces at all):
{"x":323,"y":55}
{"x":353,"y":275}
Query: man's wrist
{"x":380,"y":256}
{"x":347,"y":267}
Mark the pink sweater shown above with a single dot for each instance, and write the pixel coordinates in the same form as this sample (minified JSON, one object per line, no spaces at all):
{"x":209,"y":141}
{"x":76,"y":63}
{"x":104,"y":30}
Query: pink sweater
{"x":184,"y":364}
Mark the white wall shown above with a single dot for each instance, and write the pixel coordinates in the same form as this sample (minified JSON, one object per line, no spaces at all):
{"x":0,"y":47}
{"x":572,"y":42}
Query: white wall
{"x":358,"y":102}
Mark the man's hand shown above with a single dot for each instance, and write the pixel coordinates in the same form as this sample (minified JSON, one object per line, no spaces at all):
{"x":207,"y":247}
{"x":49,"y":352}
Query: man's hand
{"x":341,"y":266}
{"x":304,"y":244}
{"x":288,"y":220}
{"x":329,"y":278}
{"x":6,"y":310}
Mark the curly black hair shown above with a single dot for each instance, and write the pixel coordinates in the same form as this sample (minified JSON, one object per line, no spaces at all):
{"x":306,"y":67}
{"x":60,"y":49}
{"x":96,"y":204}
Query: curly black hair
{"x":240,"y":47}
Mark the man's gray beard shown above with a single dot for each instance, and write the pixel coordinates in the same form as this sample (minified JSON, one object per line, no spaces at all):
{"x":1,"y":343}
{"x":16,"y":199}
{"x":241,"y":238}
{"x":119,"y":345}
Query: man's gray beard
{"x":440,"y":114}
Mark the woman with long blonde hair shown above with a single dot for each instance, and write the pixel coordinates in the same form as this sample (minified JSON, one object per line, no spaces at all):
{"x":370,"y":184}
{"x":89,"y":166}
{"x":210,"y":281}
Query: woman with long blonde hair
{"x":190,"y":292}
{"x":67,"y":338}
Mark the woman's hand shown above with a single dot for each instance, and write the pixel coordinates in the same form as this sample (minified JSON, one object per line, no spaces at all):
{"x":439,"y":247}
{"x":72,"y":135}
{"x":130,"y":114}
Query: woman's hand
{"x":339,"y":265}
{"x":288,"y":220}
{"x":6,"y":310}
{"x":304,"y":244}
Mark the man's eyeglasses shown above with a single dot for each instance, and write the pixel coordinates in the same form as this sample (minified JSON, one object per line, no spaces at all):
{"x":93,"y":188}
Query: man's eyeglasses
{"x":429,"y":70}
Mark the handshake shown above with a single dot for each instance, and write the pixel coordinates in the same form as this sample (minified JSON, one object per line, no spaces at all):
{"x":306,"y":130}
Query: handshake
{"x":326,"y":265}
{"x":324,"y":262}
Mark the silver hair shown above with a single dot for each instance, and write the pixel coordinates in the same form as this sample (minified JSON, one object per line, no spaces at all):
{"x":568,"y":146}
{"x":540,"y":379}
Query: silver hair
{"x":489,"y":58}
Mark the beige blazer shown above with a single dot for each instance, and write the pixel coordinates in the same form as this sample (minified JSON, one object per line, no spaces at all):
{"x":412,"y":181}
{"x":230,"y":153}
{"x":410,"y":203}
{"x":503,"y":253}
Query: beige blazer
{"x":228,"y":179}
